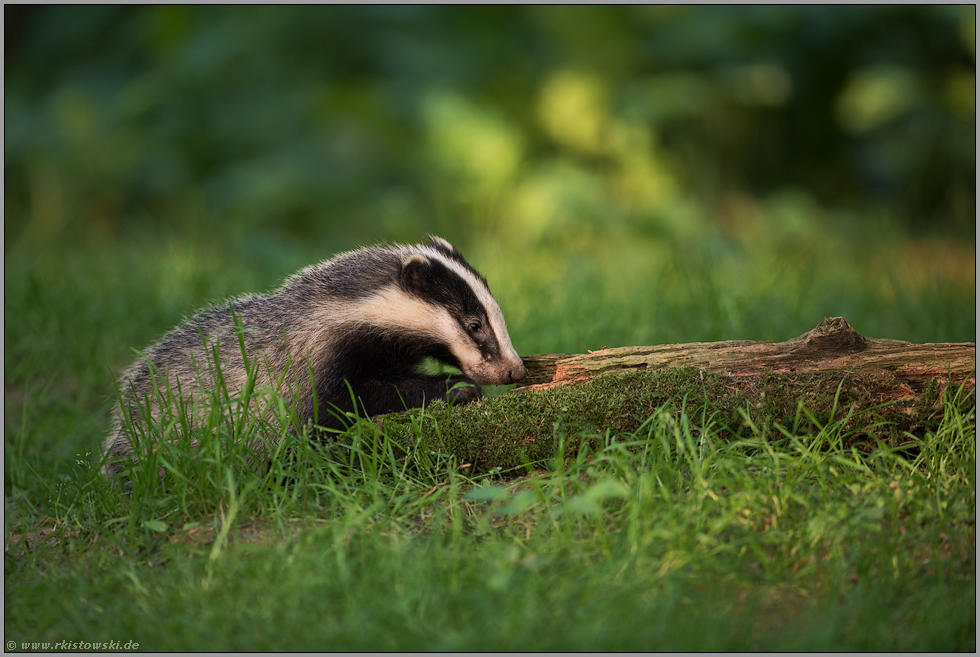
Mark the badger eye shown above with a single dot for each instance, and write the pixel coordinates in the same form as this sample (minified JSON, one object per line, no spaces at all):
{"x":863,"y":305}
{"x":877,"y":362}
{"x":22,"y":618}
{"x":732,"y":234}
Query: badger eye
{"x":475,"y":326}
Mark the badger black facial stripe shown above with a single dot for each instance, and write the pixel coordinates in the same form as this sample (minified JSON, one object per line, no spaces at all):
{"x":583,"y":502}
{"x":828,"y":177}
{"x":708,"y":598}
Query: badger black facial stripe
{"x":477,"y":286}
{"x":452,"y":253}
{"x":437,"y":283}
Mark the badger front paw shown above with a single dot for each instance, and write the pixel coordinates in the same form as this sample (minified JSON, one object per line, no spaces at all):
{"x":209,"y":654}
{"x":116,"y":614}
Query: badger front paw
{"x":461,"y":390}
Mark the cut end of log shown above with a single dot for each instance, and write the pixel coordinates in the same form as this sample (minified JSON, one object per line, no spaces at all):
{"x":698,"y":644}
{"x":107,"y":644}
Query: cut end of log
{"x":540,"y":369}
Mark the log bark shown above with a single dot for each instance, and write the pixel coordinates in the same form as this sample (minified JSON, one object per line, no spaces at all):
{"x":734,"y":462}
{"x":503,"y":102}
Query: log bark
{"x":832,"y":346}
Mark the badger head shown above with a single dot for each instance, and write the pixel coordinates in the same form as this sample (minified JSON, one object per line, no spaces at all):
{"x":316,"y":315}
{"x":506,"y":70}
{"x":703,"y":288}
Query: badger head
{"x":460,"y":313}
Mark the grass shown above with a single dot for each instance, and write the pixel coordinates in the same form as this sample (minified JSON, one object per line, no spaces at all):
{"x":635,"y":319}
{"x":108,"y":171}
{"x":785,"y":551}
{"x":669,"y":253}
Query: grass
{"x":670,"y":538}
{"x":697,"y":526}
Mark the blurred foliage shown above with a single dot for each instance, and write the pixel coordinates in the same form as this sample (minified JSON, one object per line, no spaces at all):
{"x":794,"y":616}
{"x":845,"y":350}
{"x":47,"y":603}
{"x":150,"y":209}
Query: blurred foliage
{"x":534,"y":124}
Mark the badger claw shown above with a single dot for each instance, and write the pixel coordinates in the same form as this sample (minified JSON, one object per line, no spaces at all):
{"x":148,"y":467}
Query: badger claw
{"x":462,"y":394}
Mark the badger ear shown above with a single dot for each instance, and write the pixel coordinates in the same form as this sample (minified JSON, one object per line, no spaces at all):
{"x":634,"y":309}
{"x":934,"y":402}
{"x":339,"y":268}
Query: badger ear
{"x":442,"y":245}
{"x":414,"y":273}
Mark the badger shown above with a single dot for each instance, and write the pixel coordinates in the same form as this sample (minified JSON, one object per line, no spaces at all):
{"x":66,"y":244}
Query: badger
{"x":349,"y":330}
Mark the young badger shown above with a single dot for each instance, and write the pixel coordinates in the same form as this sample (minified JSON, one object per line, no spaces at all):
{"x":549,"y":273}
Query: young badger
{"x":366,"y":317}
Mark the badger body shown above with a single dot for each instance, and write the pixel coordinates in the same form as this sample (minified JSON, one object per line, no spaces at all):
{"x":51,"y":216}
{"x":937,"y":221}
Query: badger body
{"x":365,"y":318}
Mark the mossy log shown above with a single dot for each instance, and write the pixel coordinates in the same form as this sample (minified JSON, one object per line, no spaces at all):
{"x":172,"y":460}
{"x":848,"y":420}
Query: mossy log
{"x":875,"y":390}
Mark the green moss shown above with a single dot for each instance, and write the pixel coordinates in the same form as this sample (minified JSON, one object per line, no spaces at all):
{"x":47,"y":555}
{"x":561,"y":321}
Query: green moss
{"x":524,"y":427}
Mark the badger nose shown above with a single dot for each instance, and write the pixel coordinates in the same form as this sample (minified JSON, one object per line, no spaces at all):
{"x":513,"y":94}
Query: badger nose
{"x":517,"y":373}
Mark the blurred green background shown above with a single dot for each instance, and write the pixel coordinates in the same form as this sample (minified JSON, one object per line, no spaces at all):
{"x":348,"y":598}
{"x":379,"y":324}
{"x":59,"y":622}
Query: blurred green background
{"x":621,"y":175}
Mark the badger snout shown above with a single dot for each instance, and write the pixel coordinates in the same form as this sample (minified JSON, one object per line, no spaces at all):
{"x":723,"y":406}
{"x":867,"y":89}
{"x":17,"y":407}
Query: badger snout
{"x":501,"y":374}
{"x":517,"y":372}
{"x":511,"y":373}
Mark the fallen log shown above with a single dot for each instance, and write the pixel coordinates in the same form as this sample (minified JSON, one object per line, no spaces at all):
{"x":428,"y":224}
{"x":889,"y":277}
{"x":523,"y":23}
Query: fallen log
{"x":874,"y":390}
{"x":833,"y":346}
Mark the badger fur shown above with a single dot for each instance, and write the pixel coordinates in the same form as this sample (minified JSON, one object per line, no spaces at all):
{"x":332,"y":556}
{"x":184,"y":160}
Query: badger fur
{"x":364,"y":318}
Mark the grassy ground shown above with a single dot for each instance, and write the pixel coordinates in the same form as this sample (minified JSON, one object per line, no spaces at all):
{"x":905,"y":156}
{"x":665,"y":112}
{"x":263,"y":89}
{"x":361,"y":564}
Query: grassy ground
{"x":689,"y":533}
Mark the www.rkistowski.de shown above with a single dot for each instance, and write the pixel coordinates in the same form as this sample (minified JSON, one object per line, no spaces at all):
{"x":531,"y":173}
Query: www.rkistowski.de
{"x":73,"y":645}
